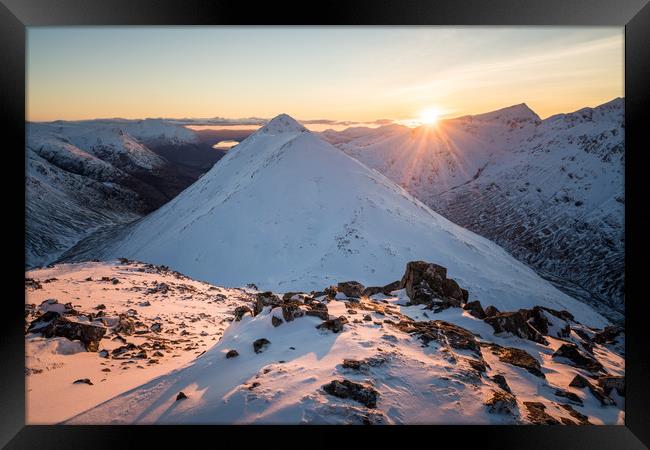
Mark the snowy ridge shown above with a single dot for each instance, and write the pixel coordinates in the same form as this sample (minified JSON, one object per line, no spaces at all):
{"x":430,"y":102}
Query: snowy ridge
{"x":288,"y":211}
{"x":201,"y":354}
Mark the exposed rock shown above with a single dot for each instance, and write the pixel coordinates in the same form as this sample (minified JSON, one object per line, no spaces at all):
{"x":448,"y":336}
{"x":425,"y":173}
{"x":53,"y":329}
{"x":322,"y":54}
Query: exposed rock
{"x":124,"y":349}
{"x":291,"y":310}
{"x":524,"y":323}
{"x":500,"y":380}
{"x":443,"y":332}
{"x":83,"y":381}
{"x":181,"y":396}
{"x":100,"y":306}
{"x":581,"y":418}
{"x":609,"y":382}
{"x":260,"y":344}
{"x":330,"y":291}
{"x":537,"y":414}
{"x":367,"y":318}
{"x":156,"y":327}
{"x":390,"y":287}
{"x":475,"y":309}
{"x":124,"y":325}
{"x":350,"y":288}
{"x":240,"y":311}
{"x":365,"y":395}
{"x":372,"y":290}
{"x":502,"y":402}
{"x":52,"y":324}
{"x":577,"y":358}
{"x":608,"y":335}
{"x":581,"y":382}
{"x":264,"y":299}
{"x":491,"y":311}
{"x":573,"y":398}
{"x":32,"y":283}
{"x":145,"y":303}
{"x":276,"y":321}
{"x":427,"y":283}
{"x":517,"y":357}
{"x":289,"y":295}
{"x":479,"y":366}
{"x":334,"y":325}
{"x":103,"y":353}
{"x":319,"y":310}
{"x":232,"y":354}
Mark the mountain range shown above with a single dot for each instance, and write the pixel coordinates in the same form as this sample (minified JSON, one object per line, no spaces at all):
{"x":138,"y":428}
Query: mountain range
{"x":551,"y":191}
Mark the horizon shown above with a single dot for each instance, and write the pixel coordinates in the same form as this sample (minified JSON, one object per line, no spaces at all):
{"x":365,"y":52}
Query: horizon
{"x":363,"y":75}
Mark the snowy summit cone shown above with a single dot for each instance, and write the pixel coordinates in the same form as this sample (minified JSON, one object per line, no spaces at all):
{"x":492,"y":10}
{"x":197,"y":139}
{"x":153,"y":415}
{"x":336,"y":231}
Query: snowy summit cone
{"x":283,"y":123}
{"x":290,"y":212}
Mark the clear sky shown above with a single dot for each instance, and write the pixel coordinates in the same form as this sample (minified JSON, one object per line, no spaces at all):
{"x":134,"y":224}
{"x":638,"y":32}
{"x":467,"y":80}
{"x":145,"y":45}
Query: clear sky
{"x":339,"y":73}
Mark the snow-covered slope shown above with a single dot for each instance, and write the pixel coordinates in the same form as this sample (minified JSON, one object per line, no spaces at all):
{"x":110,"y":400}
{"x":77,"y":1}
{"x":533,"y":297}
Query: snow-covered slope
{"x":186,"y":361}
{"x":287,"y":211}
{"x":550,"y":192}
{"x":85,"y":175}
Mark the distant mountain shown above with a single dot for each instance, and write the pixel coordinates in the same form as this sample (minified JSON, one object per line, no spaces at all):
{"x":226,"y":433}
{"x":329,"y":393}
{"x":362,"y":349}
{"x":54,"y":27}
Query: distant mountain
{"x":288,"y":211}
{"x":549,"y":191}
{"x":84,"y":175}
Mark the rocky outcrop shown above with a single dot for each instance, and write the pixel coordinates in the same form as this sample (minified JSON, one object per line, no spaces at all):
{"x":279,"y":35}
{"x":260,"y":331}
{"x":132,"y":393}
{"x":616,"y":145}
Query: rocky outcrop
{"x":366,"y":395}
{"x":53,"y":324}
{"x":526,"y":323}
{"x":537,"y":414}
{"x":240,"y":311}
{"x":502,"y":402}
{"x":264,"y":299}
{"x":611,"y":382}
{"x":276,"y":321}
{"x":577,"y":358}
{"x":608,"y":335}
{"x":475,"y":309}
{"x":427,"y":283}
{"x":581,"y":382}
{"x":351,"y":288}
{"x":444,"y":333}
{"x":517,"y":357}
{"x":491,"y":311}
{"x":334,"y":325}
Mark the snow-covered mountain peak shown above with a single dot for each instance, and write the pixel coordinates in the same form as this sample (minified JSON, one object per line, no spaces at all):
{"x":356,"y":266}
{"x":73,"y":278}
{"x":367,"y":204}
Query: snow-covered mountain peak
{"x":283,"y":123}
{"x":514,"y":113}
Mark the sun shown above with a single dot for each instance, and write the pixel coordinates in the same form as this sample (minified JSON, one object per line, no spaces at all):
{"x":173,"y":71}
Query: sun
{"x":429,"y":116}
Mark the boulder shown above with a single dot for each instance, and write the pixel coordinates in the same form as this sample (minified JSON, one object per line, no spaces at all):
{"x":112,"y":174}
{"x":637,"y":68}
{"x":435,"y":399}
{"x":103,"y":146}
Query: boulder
{"x":264,"y":299}
{"x":83,"y":381}
{"x":581,"y":418}
{"x":427,"y":283}
{"x":330,"y":291}
{"x":240,"y":311}
{"x":156,"y":327}
{"x":351,"y":288}
{"x":334,"y":325}
{"x":372,"y":290}
{"x":577,"y":358}
{"x":232,"y":354}
{"x":124,"y":325}
{"x":260,"y":344}
{"x":475,"y":309}
{"x":319,"y":310}
{"x":291,"y":310}
{"x":491,"y":311}
{"x":181,"y":396}
{"x":52,"y":324}
{"x":276,"y":321}
{"x":366,"y":395}
{"x":390,"y":287}
{"x":570,"y":396}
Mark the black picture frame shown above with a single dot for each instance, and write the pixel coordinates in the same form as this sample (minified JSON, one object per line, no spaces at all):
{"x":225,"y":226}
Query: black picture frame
{"x":634,"y":15}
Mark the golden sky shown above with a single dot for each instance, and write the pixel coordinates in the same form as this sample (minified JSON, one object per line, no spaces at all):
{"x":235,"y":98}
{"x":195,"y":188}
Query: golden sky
{"x":339,"y":73}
